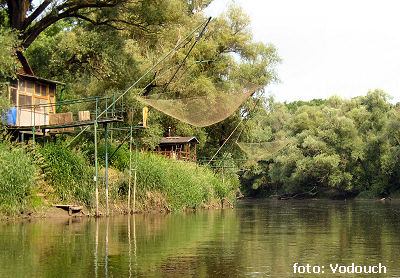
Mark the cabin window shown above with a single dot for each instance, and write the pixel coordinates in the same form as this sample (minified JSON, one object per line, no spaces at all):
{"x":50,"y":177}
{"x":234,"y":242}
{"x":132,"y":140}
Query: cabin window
{"x":21,"y":100}
{"x":43,"y":90}
{"x":52,"y":90}
{"x":28,"y":100}
{"x":29,"y":87}
{"x":37,"y":89}
{"x":21,"y":85}
{"x":13,"y":96}
{"x":41,"y":105}
{"x":24,"y":100}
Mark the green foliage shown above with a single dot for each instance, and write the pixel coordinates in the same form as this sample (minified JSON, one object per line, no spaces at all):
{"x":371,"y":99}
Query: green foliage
{"x":185,"y":185}
{"x":341,"y":146}
{"x":17,"y":179}
{"x":81,"y":55}
{"x":4,"y":102}
{"x":8,"y":62}
{"x":69,"y":173}
{"x":182,"y":184}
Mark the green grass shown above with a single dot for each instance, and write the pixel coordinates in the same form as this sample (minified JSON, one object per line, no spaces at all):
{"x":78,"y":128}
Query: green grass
{"x":182,"y":184}
{"x":17,"y":179}
{"x":185,"y":185}
{"x":69,"y":173}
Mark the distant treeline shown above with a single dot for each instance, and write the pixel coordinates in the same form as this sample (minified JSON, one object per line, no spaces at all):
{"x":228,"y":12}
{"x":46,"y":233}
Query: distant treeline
{"x":338,"y":148}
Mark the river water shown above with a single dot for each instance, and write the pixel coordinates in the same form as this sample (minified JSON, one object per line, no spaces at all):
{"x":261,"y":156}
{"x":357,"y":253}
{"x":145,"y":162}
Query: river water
{"x":256,"y":239}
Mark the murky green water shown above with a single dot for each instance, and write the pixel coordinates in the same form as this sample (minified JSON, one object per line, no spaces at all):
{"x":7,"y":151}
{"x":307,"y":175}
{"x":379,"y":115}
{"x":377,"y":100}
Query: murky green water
{"x":258,"y":239}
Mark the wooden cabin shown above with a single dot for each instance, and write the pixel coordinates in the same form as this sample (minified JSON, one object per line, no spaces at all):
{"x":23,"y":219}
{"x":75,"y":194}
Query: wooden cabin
{"x":33,"y":107}
{"x":181,"y":148}
{"x":32,"y":99}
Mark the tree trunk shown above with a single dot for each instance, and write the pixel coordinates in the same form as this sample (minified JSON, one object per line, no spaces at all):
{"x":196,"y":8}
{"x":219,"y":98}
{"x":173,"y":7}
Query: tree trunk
{"x":17,"y":12}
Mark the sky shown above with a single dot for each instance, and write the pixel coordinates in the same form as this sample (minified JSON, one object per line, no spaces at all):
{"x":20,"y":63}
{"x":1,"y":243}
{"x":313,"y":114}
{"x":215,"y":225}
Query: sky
{"x":330,"y":47}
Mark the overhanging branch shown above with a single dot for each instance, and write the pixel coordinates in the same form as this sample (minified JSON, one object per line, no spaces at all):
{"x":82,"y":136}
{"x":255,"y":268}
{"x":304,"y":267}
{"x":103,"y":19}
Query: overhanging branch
{"x":68,"y":9}
{"x":39,"y":10}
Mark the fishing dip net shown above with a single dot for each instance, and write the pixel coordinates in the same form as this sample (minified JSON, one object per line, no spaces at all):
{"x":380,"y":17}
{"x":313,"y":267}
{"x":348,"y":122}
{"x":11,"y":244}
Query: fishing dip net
{"x":203,"y":110}
{"x":262,"y":151}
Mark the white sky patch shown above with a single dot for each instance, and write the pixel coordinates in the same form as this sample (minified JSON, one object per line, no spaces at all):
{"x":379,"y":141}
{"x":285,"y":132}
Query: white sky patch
{"x":341,"y":47}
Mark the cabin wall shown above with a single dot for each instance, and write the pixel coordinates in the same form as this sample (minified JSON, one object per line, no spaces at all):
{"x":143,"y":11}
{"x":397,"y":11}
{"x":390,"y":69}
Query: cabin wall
{"x":185,"y":151}
{"x":33,"y":100}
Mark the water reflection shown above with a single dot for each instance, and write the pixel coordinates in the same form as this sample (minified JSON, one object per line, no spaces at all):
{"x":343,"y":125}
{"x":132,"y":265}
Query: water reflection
{"x":258,"y":239}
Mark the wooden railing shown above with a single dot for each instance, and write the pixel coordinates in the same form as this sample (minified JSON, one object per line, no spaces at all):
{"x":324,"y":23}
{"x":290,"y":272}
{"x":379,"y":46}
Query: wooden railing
{"x":179,"y":155}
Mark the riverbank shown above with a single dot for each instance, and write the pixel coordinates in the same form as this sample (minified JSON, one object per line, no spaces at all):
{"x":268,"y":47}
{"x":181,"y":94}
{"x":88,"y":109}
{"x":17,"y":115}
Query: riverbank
{"x":56,"y":174}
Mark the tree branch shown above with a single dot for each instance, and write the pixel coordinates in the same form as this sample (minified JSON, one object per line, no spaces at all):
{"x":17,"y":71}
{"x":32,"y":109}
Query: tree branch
{"x":30,"y":34}
{"x":71,"y":7}
{"x":36,"y":13}
{"x":94,"y":22}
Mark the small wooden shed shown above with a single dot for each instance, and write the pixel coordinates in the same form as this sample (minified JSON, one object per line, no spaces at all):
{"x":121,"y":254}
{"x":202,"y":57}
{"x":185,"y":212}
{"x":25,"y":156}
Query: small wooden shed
{"x":181,"y":148}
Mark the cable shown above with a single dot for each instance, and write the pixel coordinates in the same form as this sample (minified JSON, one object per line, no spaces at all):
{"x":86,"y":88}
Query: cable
{"x":187,"y":55}
{"x":175,"y":49}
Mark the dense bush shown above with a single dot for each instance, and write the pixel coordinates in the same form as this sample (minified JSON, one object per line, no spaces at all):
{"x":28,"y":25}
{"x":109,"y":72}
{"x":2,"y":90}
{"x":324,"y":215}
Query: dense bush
{"x":17,"y":178}
{"x":185,"y":185}
{"x":181,"y":184}
{"x":69,"y":173}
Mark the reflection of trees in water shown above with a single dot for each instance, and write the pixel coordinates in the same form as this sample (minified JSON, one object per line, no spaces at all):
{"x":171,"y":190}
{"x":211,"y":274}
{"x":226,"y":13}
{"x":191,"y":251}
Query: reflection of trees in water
{"x":54,"y":246}
{"x":319,"y":232}
{"x":264,"y":238}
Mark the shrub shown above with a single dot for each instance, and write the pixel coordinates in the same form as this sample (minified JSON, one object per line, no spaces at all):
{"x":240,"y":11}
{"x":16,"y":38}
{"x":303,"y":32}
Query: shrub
{"x":185,"y":185}
{"x":69,"y":173}
{"x":17,"y":178}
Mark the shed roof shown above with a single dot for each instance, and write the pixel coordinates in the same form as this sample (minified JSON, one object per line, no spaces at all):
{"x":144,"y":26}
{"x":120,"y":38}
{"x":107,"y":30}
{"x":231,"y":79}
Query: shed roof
{"x":35,"y":78}
{"x":178,"y":140}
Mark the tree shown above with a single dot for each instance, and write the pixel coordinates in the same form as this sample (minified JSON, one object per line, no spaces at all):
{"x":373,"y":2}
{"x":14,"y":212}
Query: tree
{"x":31,"y":21}
{"x":8,"y":64}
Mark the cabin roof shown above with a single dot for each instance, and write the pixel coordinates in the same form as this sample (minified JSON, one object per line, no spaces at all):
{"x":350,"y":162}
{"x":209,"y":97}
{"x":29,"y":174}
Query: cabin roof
{"x":35,"y":78}
{"x":178,"y":140}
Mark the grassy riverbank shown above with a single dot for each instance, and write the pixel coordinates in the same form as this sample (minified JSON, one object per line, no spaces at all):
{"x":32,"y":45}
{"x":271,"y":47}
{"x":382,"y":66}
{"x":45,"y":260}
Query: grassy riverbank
{"x":35,"y":178}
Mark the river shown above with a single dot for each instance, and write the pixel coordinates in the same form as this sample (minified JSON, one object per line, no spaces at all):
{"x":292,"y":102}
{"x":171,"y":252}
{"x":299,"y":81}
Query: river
{"x":262,"y":238}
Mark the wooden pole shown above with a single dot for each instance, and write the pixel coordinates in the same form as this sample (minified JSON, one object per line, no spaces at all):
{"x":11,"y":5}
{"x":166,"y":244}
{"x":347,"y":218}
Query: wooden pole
{"x":130,"y":246}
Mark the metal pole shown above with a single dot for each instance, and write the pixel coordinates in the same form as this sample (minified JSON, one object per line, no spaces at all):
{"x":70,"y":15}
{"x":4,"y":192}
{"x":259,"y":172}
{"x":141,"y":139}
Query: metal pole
{"x":112,"y":116}
{"x":106,"y":106}
{"x":96,"y":166}
{"x":106,"y":161}
{"x":33,"y":125}
{"x":130,"y":171}
{"x":135,"y":179}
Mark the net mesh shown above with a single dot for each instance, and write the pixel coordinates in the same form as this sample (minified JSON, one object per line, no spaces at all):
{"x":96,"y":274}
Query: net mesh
{"x":262,"y":151}
{"x":201,"y":111}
